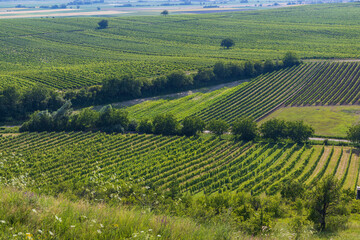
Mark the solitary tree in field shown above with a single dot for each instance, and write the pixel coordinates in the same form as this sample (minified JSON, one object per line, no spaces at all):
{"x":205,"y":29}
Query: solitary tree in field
{"x":103,"y":24}
{"x":165,"y":13}
{"x":227,"y":43}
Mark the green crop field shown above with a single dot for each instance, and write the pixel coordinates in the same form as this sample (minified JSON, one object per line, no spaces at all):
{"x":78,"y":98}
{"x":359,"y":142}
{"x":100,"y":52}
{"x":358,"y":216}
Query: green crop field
{"x":200,"y":165}
{"x":64,"y":53}
{"x":317,"y":83}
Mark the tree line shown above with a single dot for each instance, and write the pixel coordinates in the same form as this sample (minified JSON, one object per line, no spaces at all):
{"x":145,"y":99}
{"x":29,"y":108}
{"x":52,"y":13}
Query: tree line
{"x":109,"y":119}
{"x":17,"y":104}
{"x":128,"y":87}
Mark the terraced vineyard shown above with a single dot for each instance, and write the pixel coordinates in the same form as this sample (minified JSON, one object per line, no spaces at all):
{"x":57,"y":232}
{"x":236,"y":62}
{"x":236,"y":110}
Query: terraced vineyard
{"x":325,"y":83}
{"x":45,"y":160}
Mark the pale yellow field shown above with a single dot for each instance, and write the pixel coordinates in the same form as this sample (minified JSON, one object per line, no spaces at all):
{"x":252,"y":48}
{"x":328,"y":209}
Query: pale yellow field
{"x":56,"y":13}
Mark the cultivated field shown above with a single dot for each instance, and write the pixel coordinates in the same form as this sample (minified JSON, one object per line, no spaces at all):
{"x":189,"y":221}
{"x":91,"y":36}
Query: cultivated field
{"x":65,"y":53}
{"x":55,"y":161}
{"x":99,"y":184}
{"x":316,"y":83}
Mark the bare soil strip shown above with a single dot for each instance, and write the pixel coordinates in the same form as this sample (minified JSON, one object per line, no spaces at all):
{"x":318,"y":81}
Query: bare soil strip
{"x":321,"y":163}
{"x":353,"y":172}
{"x":343,"y":163}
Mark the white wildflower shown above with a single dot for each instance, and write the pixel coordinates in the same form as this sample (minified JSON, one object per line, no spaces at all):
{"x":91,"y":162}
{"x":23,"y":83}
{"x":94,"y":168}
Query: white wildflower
{"x":51,"y":233}
{"x":34,"y":210}
{"x":101,"y":225}
{"x":94,"y":221}
{"x":2,"y":221}
{"x":20,"y":233}
{"x":72,"y":226}
{"x":99,"y":231}
{"x":150,"y":230}
{"x":158,"y":235}
{"x":40,"y":231}
{"x":57,"y":218}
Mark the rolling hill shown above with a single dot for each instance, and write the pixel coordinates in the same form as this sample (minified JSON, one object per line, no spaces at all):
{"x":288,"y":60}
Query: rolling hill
{"x":67,"y":53}
{"x":315,"y":83}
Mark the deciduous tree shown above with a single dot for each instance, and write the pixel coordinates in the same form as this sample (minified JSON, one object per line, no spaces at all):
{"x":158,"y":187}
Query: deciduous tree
{"x":273,"y":129}
{"x":227,"y":43}
{"x":165,"y":13}
{"x":218,"y":127}
{"x":290,"y":59}
{"x":298,"y":131}
{"x":324,"y":200}
{"x":165,"y":124}
{"x":244,"y":129}
{"x":192,"y":125}
{"x":353,"y":134}
{"x":103,"y":24}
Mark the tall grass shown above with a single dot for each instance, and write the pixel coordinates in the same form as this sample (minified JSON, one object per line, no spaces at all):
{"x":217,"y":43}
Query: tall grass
{"x":26,"y":215}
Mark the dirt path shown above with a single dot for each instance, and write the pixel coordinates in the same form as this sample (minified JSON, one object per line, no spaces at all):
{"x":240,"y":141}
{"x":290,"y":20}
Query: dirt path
{"x":65,"y":14}
{"x":329,"y":139}
{"x":331,"y":60}
{"x":174,"y":95}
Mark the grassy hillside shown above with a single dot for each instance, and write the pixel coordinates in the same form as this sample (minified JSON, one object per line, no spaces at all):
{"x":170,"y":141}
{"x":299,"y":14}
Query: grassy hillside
{"x":69,"y":53}
{"x":53,"y":162}
{"x":25,"y":215}
{"x":317,"y":83}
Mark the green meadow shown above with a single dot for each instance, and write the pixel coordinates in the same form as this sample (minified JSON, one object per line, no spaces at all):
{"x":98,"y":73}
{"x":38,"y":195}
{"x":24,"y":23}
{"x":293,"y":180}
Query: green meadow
{"x":327,"y":120}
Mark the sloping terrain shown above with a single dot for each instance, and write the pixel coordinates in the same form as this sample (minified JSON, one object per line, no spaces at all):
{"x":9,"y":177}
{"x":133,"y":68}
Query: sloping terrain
{"x":53,"y":161}
{"x":317,"y":83}
{"x":65,"y":53}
